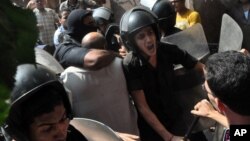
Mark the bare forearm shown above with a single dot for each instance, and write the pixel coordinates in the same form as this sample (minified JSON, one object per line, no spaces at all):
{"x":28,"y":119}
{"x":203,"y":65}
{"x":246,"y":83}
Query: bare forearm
{"x":153,"y":121}
{"x":96,"y":59}
{"x":149,"y":116}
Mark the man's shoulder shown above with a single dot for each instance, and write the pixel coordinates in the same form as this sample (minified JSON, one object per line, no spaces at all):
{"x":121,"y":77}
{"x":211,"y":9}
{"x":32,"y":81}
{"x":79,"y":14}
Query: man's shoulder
{"x":115,"y":65}
{"x":193,"y":14}
{"x":166,"y":44}
{"x":167,"y":47}
{"x":67,"y":44}
{"x":67,"y":40}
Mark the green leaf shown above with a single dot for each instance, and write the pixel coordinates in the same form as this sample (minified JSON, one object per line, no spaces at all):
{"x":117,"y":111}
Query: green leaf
{"x":17,"y":40}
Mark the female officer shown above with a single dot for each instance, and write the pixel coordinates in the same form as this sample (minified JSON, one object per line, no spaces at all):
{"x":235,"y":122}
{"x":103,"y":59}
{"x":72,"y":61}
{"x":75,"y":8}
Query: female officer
{"x":149,"y":70}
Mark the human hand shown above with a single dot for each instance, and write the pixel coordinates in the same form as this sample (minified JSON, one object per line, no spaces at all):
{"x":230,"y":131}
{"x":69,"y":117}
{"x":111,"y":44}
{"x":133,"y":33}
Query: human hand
{"x":178,"y":138}
{"x":123,"y":51}
{"x":244,"y":51}
{"x":203,"y":108}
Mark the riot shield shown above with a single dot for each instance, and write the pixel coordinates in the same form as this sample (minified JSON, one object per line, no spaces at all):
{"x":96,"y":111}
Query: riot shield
{"x":192,"y":39}
{"x":44,"y":58}
{"x":229,"y":3}
{"x":148,"y":3}
{"x":231,"y":35}
{"x":112,"y":41}
{"x":188,"y":83}
{"x":94,"y":130}
{"x":111,"y":30}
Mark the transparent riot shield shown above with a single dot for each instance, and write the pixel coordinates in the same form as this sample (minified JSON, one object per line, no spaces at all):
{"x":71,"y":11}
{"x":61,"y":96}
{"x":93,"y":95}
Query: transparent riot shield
{"x":110,"y":36}
{"x":148,"y":3}
{"x":193,"y":40}
{"x":231,"y":35}
{"x":94,"y":130}
{"x":188,"y":83}
{"x":44,"y":58}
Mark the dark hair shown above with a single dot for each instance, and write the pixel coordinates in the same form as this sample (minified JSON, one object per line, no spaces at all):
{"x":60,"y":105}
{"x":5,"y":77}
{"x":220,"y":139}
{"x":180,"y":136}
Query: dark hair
{"x":63,"y":10}
{"x":228,"y":76}
{"x":239,"y":1}
{"x":44,"y":101}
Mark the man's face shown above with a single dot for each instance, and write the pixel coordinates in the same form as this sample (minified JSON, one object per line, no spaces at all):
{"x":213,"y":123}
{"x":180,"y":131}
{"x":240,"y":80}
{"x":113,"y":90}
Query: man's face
{"x":145,"y":40}
{"x":40,"y":4}
{"x":89,"y":20}
{"x":63,"y":19}
{"x":50,"y":126}
{"x":178,"y":4}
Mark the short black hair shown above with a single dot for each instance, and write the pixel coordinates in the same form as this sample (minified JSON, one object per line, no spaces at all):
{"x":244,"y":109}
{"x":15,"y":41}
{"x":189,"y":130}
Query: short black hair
{"x":44,"y":101}
{"x":228,"y":76}
{"x":63,"y":10}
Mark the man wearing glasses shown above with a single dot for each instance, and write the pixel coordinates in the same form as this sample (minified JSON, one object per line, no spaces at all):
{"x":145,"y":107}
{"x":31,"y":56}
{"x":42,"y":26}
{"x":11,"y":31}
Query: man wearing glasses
{"x":227,"y":83}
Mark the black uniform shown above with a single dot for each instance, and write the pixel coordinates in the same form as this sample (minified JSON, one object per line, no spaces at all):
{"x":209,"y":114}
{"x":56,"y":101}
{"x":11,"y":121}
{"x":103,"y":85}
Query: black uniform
{"x":70,"y":52}
{"x":157,"y":84}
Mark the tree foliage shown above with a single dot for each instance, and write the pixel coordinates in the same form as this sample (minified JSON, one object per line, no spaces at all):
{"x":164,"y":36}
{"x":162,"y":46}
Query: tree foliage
{"x":18,"y":34}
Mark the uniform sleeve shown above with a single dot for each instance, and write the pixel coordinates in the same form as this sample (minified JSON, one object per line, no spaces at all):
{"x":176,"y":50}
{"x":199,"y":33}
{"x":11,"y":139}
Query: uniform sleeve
{"x":70,"y":55}
{"x":133,"y":72}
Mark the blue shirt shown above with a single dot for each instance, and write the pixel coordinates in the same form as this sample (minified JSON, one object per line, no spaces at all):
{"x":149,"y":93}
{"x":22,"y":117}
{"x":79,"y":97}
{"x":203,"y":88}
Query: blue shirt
{"x":56,"y":35}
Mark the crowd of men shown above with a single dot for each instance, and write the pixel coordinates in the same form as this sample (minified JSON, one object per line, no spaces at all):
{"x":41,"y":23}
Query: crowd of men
{"x":121,"y":75}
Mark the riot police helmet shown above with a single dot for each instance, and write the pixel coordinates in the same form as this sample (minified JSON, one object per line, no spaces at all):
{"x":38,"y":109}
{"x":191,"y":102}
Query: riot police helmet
{"x":134,"y":20}
{"x":165,"y":12}
{"x":103,"y":15}
{"x":33,"y":83}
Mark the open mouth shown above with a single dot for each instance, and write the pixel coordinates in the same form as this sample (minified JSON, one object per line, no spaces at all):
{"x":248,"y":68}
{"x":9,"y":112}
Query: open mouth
{"x":150,"y":47}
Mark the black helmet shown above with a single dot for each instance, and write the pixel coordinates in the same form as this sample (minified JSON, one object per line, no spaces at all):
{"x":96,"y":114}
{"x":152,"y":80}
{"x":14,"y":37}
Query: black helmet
{"x":165,"y":12}
{"x":30,"y":80}
{"x":132,"y":21}
{"x":103,"y":15}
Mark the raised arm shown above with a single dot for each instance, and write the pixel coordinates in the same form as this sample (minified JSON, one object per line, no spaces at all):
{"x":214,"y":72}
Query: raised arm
{"x":72,"y":55}
{"x":96,"y":59}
